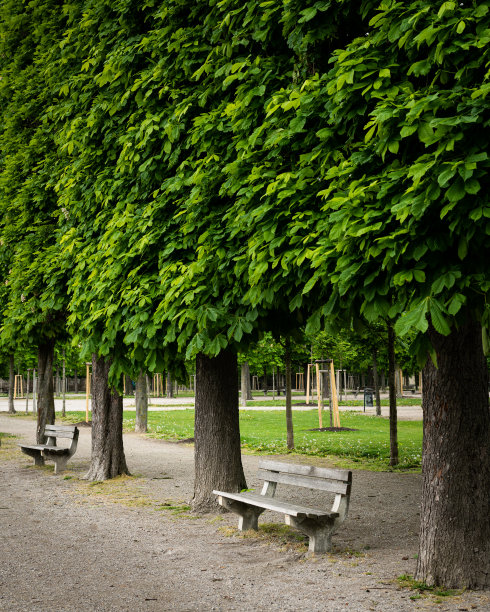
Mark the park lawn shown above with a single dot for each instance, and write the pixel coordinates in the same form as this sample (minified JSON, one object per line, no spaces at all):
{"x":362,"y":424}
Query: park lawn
{"x":265,"y":432}
{"x":281,"y":402}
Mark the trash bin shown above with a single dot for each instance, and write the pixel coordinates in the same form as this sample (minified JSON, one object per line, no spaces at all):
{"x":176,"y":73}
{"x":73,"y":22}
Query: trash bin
{"x":368,"y":398}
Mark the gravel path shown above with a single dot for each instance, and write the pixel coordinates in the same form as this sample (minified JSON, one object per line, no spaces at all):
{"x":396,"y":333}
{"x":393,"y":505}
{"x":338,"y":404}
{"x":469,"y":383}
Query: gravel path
{"x":131,"y":544}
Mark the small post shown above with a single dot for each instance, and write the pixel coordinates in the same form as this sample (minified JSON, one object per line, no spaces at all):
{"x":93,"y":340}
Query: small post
{"x":273,"y":383}
{"x":27,"y":391}
{"x":335,"y":402}
{"x":308,"y":385}
{"x":319,"y":396}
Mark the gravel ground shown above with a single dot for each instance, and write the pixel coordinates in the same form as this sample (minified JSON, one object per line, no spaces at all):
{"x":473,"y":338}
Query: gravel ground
{"x":131,"y":544}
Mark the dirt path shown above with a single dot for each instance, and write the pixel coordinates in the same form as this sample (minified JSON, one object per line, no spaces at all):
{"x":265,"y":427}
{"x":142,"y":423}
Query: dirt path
{"x":131,"y":544}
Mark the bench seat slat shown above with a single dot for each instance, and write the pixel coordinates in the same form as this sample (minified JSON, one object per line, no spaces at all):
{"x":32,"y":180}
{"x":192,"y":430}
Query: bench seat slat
{"x":52,"y":449}
{"x":277,"y":505}
{"x":321,"y":484}
{"x":59,"y":434}
{"x":305,"y":470}
{"x":59,"y":431}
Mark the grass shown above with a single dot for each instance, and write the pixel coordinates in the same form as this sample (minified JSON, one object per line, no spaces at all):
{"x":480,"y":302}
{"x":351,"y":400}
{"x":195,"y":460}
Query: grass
{"x":264,"y":432}
{"x":422,"y":589}
{"x":406,"y":401}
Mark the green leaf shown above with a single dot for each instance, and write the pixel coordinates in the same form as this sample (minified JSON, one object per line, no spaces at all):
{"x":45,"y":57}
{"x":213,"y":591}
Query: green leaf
{"x":415,"y":318}
{"x":456,"y":192}
{"x":438,"y":320}
{"x":472,"y":186}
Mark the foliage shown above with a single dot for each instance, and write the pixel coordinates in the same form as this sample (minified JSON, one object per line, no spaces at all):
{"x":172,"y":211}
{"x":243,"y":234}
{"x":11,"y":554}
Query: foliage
{"x":382,"y":162}
{"x":33,"y":307}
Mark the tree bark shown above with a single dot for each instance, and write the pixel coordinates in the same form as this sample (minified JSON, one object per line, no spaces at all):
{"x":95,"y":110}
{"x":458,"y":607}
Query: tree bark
{"x":108,"y":460}
{"x":76,"y":381}
{"x":245,"y":390}
{"x":218,"y":460}
{"x":289,"y":409}
{"x":141,"y":401}
{"x":392,"y":393}
{"x":455,"y":517}
{"x":376,"y":382}
{"x":170,"y":387}
{"x":11,"y":384}
{"x":45,"y":390}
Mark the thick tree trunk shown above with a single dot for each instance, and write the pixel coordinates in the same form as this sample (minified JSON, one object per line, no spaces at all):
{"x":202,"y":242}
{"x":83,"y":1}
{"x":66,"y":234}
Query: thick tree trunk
{"x":45,"y":390}
{"x":376,"y":382}
{"x":455,"y":518}
{"x":108,"y":460}
{"x":289,"y":409}
{"x":11,"y":384}
{"x":218,"y":460}
{"x":141,"y":400}
{"x":392,"y":392}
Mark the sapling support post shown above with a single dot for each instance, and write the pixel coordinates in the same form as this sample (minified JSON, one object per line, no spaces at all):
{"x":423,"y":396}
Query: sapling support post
{"x":308,"y":385}
{"x":334,"y":404}
{"x":18,"y":386}
{"x":27,"y":390}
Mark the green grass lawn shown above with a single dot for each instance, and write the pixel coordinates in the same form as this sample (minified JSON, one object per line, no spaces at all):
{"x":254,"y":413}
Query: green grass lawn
{"x":265,"y":432}
{"x":406,"y":401}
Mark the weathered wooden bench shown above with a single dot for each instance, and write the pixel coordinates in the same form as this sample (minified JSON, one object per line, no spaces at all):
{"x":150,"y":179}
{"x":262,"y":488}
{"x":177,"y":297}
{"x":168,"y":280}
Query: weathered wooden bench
{"x":318,"y":524}
{"x":50,"y":451}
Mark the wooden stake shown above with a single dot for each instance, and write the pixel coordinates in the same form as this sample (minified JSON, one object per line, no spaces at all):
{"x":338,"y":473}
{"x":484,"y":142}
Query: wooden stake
{"x":308,"y":385}
{"x":335,"y":402}
{"x":27,"y":392}
{"x":319,"y":396}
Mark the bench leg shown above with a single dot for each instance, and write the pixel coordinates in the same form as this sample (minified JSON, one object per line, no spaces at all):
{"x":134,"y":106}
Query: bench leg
{"x":35,"y":454}
{"x":319,"y":533}
{"x":249,"y":515}
{"x":60,"y":464}
{"x":38,"y":459}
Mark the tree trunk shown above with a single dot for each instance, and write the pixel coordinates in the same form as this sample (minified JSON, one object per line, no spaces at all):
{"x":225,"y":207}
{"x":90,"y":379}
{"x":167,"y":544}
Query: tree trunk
{"x":141,"y":400}
{"x":245,"y":390}
{"x":76,"y":381}
{"x":289,"y":409}
{"x":45,"y":390}
{"x":376,"y":382}
{"x":170,"y":387}
{"x":11,"y":384}
{"x":218,"y":461}
{"x":398,"y":382}
{"x":455,"y":517}
{"x":392,"y":392}
{"x":108,"y":460}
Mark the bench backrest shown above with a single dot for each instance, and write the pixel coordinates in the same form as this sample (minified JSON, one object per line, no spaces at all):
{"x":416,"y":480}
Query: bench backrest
{"x":61,"y":431}
{"x":309,"y":476}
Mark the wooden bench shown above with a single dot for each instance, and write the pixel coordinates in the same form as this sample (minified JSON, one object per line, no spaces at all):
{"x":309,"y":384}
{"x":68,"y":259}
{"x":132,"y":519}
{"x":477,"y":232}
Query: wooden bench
{"x":318,"y":524}
{"x":50,"y":451}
